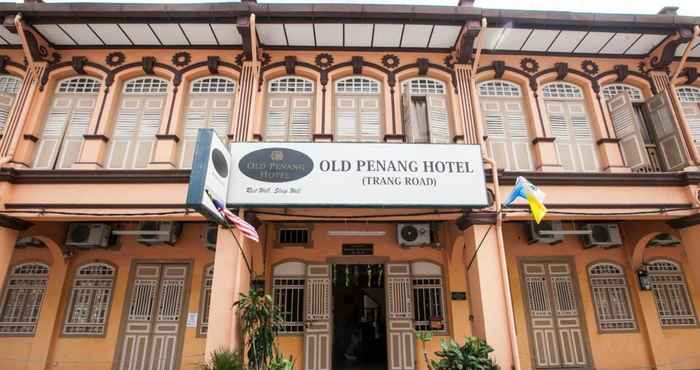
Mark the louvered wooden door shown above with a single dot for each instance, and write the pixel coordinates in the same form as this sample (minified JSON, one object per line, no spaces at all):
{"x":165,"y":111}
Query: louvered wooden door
{"x":508,"y":136}
{"x":575,"y":143}
{"x":134,"y":135}
{"x":152,"y":334}
{"x":557,"y":331}
{"x":628,"y":131}
{"x":204,"y":112}
{"x":691,"y":112}
{"x":666,"y":133}
{"x":289,"y":117}
{"x":317,"y":318}
{"x":399,"y":301}
{"x":358,"y":118}
{"x":5,"y":106}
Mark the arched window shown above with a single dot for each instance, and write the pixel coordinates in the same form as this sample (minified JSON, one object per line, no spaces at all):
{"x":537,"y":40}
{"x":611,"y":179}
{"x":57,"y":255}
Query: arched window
{"x":428,"y":296}
{"x":9,"y":85}
{"x":425,"y":112}
{"x":358,"y":109}
{"x":205,"y":301}
{"x":209,"y":105}
{"x":670,"y":290}
{"x":503,"y":115}
{"x":137,"y":123}
{"x":288,"y":294}
{"x":609,"y":91}
{"x":290,"y":109}
{"x":611,"y":297}
{"x":68,"y":119}
{"x":23,"y":295}
{"x":690,"y":105}
{"x":90,"y":300}
{"x":570,"y":126}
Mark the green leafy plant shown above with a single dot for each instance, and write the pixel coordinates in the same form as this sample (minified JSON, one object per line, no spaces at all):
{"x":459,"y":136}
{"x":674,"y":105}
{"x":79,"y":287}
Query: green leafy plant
{"x":223,"y":360}
{"x":280,"y":362}
{"x":473,"y":355}
{"x":260,"y":323}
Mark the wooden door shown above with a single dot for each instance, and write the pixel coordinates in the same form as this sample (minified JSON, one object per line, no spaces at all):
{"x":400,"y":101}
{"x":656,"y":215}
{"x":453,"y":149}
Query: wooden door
{"x":399,"y":302}
{"x":317,"y":318}
{"x":152,"y":335}
{"x":557,"y":331}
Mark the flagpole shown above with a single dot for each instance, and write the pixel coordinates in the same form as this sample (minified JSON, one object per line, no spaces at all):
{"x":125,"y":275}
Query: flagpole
{"x":227,"y":225}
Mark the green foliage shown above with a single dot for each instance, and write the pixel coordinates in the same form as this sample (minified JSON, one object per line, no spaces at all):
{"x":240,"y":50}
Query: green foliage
{"x":280,"y":362}
{"x":473,"y":355}
{"x":260,"y":322}
{"x":223,"y":360}
{"x":424,"y":336}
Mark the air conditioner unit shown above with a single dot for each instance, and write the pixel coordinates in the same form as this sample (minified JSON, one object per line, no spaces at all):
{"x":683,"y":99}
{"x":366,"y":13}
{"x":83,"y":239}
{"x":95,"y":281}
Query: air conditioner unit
{"x":664,"y":240}
{"x":212,"y":230}
{"x":28,"y":241}
{"x":88,"y":235}
{"x":158,"y":232}
{"x":411,"y":235}
{"x":538,"y":233}
{"x":602,"y":235}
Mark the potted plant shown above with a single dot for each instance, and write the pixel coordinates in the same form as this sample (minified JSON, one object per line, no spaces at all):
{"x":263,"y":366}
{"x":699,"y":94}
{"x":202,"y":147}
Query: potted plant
{"x":223,"y":360}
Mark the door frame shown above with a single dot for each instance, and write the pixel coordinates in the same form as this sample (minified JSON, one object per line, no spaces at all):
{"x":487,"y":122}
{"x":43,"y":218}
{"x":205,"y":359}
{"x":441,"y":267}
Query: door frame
{"x":127,"y":299}
{"x":570,"y":260}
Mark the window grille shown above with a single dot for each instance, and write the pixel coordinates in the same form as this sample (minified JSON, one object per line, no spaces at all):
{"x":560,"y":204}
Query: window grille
{"x":288,"y":296}
{"x":671,"y":294}
{"x":298,"y":236}
{"x":428,"y":302}
{"x":357,"y":85}
{"x":206,"y":301}
{"x":291,"y":85}
{"x":79,"y":85}
{"x":24,"y":294}
{"x":213,"y":85}
{"x":609,"y":91}
{"x":688,"y":94}
{"x":611,"y":297}
{"x":90,"y":300}
{"x":9,"y":84}
{"x":499,"y":88}
{"x":424,"y":86}
{"x":146,"y":85}
{"x":562,"y":90}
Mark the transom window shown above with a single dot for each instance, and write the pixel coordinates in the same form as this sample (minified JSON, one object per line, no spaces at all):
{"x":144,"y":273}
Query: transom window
{"x":357,"y":85}
{"x":424,"y":86}
{"x":213,"y":85}
{"x":609,"y":91}
{"x":9,"y":84}
{"x":90,"y":300}
{"x":671,"y":294}
{"x":146,"y":85}
{"x":499,"y":88}
{"x":291,"y":85}
{"x":79,"y":85}
{"x":562,"y":90}
{"x":611,"y":297}
{"x":206,"y":301}
{"x":24,"y":293}
{"x":428,"y":299}
{"x":288,"y":295}
{"x":688,"y":94}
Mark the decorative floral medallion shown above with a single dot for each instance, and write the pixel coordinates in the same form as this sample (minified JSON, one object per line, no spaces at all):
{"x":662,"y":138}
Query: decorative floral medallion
{"x":115,"y":58}
{"x":324,"y":60}
{"x":390,"y":61}
{"x":529,"y":65}
{"x":181,"y":59}
{"x":589,"y":67}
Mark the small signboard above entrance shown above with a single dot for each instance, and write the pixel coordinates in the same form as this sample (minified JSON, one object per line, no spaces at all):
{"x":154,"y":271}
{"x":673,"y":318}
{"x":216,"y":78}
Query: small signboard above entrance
{"x":358,"y":249}
{"x":356,"y":175}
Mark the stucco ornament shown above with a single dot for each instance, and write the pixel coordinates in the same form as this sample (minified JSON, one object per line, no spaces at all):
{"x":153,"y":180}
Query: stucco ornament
{"x":324,"y":60}
{"x":529,"y":65}
{"x":181,"y":59}
{"x":589,"y":67}
{"x":265,"y":59}
{"x":448,"y":61}
{"x":55,"y":58}
{"x":115,"y":58}
{"x":390,"y":61}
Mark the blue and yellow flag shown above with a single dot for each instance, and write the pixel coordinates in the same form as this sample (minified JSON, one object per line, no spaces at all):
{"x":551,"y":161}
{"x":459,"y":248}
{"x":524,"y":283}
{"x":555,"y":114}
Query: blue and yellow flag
{"x":534,"y":196}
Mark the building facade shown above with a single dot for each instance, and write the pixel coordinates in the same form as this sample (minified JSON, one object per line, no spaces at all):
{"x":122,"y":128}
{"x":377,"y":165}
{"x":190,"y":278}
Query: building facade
{"x":104,"y":266}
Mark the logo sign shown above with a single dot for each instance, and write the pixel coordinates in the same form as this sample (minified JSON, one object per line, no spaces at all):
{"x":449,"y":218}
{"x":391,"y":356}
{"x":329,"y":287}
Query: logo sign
{"x":356,"y":175}
{"x":210,"y":173}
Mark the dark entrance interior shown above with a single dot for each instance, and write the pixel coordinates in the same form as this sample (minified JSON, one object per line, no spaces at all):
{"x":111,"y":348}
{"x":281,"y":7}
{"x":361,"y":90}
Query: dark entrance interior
{"x":359,"y":320}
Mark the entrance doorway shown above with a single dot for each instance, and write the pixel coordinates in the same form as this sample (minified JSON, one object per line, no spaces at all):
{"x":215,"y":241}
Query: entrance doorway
{"x":359,"y":317}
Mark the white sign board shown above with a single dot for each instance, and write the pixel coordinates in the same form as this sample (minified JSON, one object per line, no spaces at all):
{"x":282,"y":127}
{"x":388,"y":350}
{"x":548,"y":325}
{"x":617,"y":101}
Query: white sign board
{"x":192,"y":319}
{"x":210,"y":174}
{"x":356,"y":175}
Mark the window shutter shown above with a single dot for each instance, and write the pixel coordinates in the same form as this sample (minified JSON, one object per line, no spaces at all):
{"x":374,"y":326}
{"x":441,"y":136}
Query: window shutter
{"x":5,"y":106}
{"x":560,"y":131}
{"x":301,"y":112}
{"x":626,"y":128}
{"x":416,"y":118}
{"x":53,"y":132}
{"x":277,"y":118}
{"x":73,"y":139}
{"x":574,"y":138}
{"x":346,"y":118}
{"x":665,"y":132}
{"x":583,"y":137}
{"x":519,"y":136}
{"x":438,"y":119}
{"x":496,"y":132}
{"x":691,"y":111}
{"x":194,"y":120}
{"x":370,"y":124}
{"x":124,"y":131}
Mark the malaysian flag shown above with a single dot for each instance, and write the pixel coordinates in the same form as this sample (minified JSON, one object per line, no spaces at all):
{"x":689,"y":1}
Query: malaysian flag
{"x":245,"y":228}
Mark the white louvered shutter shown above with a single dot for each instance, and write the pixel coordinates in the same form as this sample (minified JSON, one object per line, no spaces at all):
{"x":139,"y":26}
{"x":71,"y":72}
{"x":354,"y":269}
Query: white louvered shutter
{"x":626,"y":127}
{"x":370,"y":123}
{"x":346,"y":118}
{"x":8,"y":90}
{"x":277,"y":118}
{"x":574,"y":139}
{"x":408,"y":117}
{"x":665,"y":132}
{"x":77,"y":127}
{"x":496,"y":132}
{"x":583,"y":137}
{"x":438,"y":119}
{"x":358,"y":110}
{"x":691,"y":112}
{"x":290,"y":109}
{"x":5,"y":106}
{"x":301,"y":113}
{"x":52,"y":133}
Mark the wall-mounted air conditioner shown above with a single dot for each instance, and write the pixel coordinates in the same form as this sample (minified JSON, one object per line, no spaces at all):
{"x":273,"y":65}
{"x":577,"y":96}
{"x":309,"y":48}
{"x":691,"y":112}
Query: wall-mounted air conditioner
{"x":89,"y":235}
{"x":212,"y":231}
{"x":158,"y":232}
{"x":665,"y":240}
{"x":549,"y":232}
{"x":602,"y":235}
{"x":411,"y":235}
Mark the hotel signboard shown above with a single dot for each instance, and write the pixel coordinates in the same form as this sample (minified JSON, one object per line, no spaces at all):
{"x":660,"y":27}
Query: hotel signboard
{"x":356,"y":175}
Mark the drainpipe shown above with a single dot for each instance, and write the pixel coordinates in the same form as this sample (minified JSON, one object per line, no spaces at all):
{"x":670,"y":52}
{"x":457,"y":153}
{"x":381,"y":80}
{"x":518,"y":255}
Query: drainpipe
{"x":688,"y":47}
